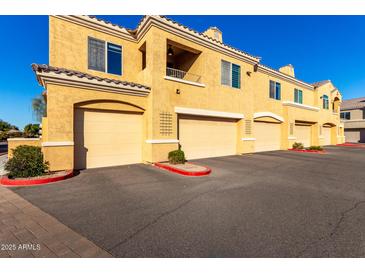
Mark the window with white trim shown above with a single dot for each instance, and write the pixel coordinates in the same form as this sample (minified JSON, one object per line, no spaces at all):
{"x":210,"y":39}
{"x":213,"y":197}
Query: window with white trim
{"x":230,"y":74}
{"x":275,"y":90}
{"x":345,"y":115}
{"x":298,"y":96}
{"x":104,"y":56}
{"x":325,"y":102}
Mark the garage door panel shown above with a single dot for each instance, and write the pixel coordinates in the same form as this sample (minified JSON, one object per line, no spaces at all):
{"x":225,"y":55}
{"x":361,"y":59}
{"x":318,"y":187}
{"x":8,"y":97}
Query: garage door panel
{"x":326,"y":132}
{"x":303,"y":134}
{"x":207,"y":137}
{"x":268,"y":136}
{"x":107,"y":138}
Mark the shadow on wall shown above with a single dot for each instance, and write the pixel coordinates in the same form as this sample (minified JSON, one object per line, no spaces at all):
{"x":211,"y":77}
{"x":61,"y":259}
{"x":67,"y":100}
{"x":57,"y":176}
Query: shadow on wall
{"x":362,"y":136}
{"x":80,"y":151}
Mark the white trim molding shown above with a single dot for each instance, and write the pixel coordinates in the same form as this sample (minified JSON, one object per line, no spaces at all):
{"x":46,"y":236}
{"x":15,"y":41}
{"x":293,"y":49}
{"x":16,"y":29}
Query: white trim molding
{"x":293,"y":104}
{"x":184,"y":81}
{"x":248,"y":139}
{"x":209,"y":113}
{"x":268,"y":114}
{"x":58,"y":144}
{"x":292,"y":138}
{"x":163,"y":141}
{"x":23,"y":139}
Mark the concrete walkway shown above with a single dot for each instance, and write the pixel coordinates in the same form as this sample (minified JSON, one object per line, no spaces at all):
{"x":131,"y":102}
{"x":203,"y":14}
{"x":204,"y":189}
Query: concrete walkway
{"x":27,"y":231}
{"x":3,"y":159}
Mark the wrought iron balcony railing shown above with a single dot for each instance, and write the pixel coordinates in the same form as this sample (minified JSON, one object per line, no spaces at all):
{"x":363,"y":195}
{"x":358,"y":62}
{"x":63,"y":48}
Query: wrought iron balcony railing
{"x":183,"y":75}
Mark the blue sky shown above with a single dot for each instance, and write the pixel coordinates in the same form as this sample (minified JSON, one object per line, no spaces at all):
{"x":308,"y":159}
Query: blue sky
{"x":319,"y":47}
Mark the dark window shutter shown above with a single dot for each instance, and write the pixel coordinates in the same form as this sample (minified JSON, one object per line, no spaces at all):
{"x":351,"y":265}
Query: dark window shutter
{"x":114,"y":59}
{"x":278,"y":91}
{"x":236,"y":76}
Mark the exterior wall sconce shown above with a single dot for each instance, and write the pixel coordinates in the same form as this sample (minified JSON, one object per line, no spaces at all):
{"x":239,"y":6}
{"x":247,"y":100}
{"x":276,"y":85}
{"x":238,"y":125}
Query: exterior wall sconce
{"x":248,"y":73}
{"x":178,"y":91}
{"x":170,"y":51}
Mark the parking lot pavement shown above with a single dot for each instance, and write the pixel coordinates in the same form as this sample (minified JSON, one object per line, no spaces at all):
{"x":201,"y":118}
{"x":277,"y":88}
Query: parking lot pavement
{"x":273,"y":204}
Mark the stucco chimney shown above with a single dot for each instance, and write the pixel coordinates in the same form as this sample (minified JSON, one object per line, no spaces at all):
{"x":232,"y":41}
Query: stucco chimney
{"x":214,"y":33}
{"x":288,"y":69}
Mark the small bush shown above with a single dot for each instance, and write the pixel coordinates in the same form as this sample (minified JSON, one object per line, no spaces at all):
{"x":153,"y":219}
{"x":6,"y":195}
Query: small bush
{"x":27,"y":161}
{"x":177,"y":157}
{"x":315,"y":148}
{"x":298,"y":145}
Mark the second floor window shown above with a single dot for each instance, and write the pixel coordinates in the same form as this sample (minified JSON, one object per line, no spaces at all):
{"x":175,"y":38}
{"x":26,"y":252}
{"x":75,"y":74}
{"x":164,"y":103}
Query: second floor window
{"x":275,"y":90}
{"x":345,"y":115}
{"x":298,"y":96}
{"x":325,"y":102}
{"x":230,"y":74}
{"x":111,"y":62}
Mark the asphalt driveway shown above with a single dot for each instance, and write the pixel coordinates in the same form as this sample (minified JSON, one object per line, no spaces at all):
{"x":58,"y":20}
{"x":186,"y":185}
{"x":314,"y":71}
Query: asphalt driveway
{"x":274,"y":204}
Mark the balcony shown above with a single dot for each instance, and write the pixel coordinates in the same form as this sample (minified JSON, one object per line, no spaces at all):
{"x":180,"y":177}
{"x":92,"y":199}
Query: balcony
{"x":182,"y":63}
{"x":180,"y":74}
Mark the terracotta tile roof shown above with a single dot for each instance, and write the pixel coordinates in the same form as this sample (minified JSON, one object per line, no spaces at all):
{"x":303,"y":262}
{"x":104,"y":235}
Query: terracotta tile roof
{"x":79,"y":74}
{"x":134,"y":32}
{"x":286,"y":75}
{"x":320,"y":83}
{"x":206,"y":36}
{"x":354,"y":103}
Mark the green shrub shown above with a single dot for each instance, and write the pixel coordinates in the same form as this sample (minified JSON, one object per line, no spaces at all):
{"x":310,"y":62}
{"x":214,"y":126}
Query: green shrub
{"x":177,"y":157}
{"x":27,"y":161}
{"x":315,"y":148}
{"x":298,"y":145}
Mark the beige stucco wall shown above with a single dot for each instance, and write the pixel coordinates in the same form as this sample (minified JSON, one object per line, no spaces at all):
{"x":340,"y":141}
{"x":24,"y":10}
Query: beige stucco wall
{"x":68,"y":49}
{"x":15,"y":142}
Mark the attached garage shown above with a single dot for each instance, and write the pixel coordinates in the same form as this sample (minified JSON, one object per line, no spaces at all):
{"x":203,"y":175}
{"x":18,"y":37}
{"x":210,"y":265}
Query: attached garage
{"x":204,"y":137}
{"x":268,"y":136}
{"x":107,"y":138}
{"x":303,"y":134}
{"x":355,"y":135}
{"x":326,"y":133}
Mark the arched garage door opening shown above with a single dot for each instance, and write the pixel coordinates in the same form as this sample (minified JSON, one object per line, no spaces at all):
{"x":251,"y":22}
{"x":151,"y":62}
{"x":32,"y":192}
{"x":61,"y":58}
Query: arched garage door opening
{"x":107,"y":138}
{"x":327,"y":134}
{"x":267,"y":131}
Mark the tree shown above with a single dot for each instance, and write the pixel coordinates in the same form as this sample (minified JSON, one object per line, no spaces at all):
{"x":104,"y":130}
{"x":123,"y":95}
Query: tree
{"x":31,"y":130}
{"x":5,"y":126}
{"x":39,"y":107}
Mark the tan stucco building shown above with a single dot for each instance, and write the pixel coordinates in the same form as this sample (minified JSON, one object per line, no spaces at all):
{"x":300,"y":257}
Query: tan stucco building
{"x":117,"y":96}
{"x":353,"y":118}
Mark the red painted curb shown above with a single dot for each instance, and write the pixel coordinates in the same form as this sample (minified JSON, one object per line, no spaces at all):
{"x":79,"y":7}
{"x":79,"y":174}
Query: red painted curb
{"x":350,"y":145}
{"x":308,"y":151}
{"x":183,"y":172}
{"x":5,"y":181}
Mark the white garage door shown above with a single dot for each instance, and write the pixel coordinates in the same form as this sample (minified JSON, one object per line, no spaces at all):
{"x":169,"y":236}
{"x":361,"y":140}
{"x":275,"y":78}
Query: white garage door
{"x":107,"y":138}
{"x":303,"y":134}
{"x":326,"y":132}
{"x":202,"y":137}
{"x":268,"y":136}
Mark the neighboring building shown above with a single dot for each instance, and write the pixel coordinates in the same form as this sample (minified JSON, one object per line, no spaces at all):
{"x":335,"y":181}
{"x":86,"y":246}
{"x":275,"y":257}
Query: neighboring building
{"x":353,"y":117}
{"x":117,"y":96}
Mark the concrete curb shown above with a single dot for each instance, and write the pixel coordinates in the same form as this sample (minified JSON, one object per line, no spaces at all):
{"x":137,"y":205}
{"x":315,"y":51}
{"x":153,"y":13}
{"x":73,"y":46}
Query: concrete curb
{"x":5,"y":181}
{"x":184,"y":172}
{"x":308,"y":151}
